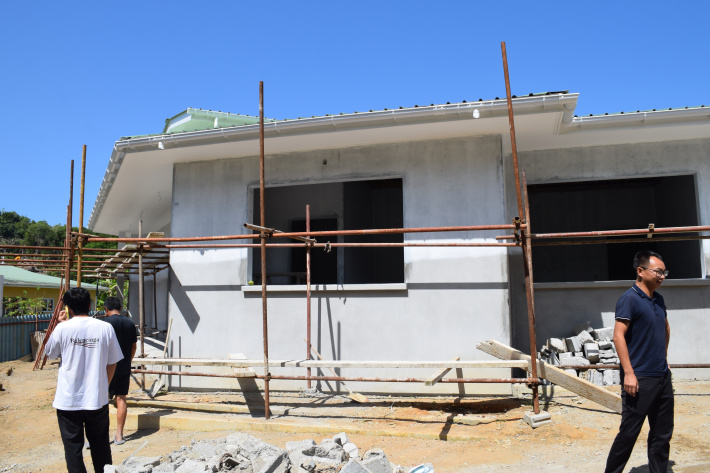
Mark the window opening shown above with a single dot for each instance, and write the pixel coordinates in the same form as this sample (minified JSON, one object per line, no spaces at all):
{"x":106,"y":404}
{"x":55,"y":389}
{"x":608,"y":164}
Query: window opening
{"x":352,"y":205}
{"x":613,"y":205}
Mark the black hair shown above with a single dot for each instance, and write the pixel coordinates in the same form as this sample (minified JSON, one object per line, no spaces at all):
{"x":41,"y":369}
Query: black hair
{"x":112,"y":303}
{"x":643,"y":257}
{"x":78,"y":300}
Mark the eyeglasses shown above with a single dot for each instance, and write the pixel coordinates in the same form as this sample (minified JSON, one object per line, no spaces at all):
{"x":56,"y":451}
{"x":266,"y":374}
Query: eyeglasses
{"x":657,"y":272}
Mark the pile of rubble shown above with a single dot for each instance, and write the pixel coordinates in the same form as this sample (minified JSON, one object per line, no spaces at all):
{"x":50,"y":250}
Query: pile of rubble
{"x":242,"y":453}
{"x":589,"y":346}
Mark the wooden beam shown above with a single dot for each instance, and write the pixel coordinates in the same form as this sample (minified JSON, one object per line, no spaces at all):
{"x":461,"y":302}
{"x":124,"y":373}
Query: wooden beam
{"x":557,"y":376}
{"x":436,"y":377}
{"x":334,"y":363}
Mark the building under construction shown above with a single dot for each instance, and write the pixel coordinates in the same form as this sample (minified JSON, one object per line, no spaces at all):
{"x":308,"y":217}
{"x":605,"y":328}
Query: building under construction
{"x":407,"y":234}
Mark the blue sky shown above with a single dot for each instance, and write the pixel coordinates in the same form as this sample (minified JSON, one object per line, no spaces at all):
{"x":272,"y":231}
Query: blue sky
{"x":76,"y":73}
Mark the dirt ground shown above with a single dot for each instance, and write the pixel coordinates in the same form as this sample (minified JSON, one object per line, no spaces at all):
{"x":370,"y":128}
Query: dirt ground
{"x":489,"y":433}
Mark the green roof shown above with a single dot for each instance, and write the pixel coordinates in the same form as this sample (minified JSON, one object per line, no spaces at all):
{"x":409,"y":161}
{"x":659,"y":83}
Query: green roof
{"x":18,"y":277}
{"x":196,"y":119}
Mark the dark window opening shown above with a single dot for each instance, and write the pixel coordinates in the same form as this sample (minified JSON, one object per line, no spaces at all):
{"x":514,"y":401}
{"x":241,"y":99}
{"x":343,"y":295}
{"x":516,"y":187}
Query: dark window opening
{"x":354,"y":205}
{"x":613,"y":205}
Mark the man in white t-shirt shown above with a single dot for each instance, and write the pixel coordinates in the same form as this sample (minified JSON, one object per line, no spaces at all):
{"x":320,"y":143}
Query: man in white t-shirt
{"x":89,"y":352}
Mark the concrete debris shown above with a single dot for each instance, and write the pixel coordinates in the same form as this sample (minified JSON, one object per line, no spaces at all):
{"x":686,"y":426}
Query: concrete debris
{"x":585,"y":337}
{"x":574,"y":344}
{"x":242,"y":453}
{"x":584,"y":327}
{"x":589,"y":346}
{"x":604,"y":334}
{"x":376,"y":461}
{"x":591,"y":352}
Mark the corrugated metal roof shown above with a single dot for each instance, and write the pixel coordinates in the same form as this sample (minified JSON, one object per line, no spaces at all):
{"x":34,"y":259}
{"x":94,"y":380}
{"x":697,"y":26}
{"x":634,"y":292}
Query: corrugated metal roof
{"x":18,"y":277}
{"x":695,"y":107}
{"x":197,"y":119}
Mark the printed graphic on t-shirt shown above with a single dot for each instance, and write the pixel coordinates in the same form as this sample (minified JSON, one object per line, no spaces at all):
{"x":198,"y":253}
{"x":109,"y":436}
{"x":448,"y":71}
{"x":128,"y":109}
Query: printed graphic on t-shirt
{"x":85,"y":342}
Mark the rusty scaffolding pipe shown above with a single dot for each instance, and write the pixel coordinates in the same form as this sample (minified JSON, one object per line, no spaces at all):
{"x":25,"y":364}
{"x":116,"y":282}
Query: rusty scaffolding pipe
{"x":524,"y":232}
{"x":350,"y":378}
{"x":374,"y":231}
{"x":263,"y":235}
{"x":308,"y":295}
{"x":81,"y":216}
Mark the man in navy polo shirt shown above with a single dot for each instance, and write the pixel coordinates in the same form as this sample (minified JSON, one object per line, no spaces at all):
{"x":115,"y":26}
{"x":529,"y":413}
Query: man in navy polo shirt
{"x":641,"y":335}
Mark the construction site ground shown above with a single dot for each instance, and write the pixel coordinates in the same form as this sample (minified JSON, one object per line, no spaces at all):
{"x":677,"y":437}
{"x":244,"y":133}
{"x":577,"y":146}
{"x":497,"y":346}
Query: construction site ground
{"x":472,"y":434}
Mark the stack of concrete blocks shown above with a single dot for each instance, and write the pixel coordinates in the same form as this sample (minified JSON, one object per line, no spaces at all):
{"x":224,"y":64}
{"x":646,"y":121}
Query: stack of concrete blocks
{"x":588,"y":346}
{"x":243,"y":453}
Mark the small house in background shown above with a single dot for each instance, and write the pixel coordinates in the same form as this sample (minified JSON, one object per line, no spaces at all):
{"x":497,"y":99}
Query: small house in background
{"x":20,"y":283}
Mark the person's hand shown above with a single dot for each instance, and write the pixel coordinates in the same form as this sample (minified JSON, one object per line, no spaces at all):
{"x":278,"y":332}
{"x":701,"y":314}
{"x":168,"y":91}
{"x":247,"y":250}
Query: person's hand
{"x":631,"y":384}
{"x":62,"y":316}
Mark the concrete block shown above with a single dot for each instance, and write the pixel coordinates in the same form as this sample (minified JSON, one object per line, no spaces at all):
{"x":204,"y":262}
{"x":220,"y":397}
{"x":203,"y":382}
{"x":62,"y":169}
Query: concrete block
{"x":606,"y":353}
{"x":583,"y":327}
{"x":536,"y":420}
{"x":571,"y":371}
{"x":585,"y":337}
{"x":192,"y":466}
{"x":591,"y":352}
{"x":165,"y":468}
{"x":351,"y":450}
{"x":202,"y":451}
{"x":606,"y":333}
{"x":341,"y":439}
{"x":376,"y":461}
{"x":595,"y":377}
{"x":554,"y":359}
{"x":300,"y":445}
{"x":557,"y":344}
{"x":567,"y":354}
{"x":354,"y":466}
{"x":110,"y":469}
{"x":576,"y":361}
{"x":606,"y":345}
{"x":327,"y":449}
{"x":573,"y":344}
{"x":140,"y":464}
{"x":611,"y":377}
{"x":272,"y":460}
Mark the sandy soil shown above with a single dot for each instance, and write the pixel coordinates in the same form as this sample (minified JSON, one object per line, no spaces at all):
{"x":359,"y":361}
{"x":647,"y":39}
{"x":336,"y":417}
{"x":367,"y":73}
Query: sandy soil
{"x":577,"y":439}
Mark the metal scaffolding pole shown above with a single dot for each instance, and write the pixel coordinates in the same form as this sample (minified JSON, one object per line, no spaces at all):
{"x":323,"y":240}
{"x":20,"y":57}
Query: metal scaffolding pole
{"x":527,"y":255}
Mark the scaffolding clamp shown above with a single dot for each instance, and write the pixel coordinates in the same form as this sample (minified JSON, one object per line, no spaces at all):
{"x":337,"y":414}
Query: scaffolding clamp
{"x":651,"y":227}
{"x":327,"y":248}
{"x":516,"y":232}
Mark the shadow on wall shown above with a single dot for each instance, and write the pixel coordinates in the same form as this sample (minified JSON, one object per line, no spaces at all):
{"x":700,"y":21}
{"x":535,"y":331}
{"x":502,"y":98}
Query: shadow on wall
{"x":179,"y":294}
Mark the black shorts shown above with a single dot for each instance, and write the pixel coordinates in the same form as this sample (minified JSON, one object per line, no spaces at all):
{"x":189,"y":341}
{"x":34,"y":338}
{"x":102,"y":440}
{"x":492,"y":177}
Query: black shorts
{"x":119,"y":385}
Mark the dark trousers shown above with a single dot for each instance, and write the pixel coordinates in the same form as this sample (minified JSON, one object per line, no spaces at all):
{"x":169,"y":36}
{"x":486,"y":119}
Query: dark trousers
{"x":655,"y":401}
{"x":72,"y":425}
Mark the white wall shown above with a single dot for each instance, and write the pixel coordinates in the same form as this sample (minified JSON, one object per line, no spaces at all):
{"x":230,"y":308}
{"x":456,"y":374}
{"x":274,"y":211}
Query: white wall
{"x":559,"y":307}
{"x":454,"y":297}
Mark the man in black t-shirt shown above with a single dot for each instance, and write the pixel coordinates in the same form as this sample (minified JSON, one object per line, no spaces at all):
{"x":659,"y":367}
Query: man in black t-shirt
{"x":126,"y":334}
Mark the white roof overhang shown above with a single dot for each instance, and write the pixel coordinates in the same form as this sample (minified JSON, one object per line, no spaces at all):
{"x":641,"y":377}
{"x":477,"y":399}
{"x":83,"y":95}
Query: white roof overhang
{"x":140,"y":171}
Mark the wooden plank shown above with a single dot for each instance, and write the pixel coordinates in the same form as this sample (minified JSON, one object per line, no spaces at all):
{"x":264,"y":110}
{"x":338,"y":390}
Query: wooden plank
{"x":436,"y":377}
{"x":557,"y":376}
{"x":336,"y":363}
{"x":242,"y":372}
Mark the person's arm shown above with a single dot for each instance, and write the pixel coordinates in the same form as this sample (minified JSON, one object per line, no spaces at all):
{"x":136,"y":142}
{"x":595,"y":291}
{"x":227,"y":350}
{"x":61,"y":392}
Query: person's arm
{"x":668,"y":337}
{"x":631,"y":384}
{"x":110,"y":370}
{"x":133,"y":351}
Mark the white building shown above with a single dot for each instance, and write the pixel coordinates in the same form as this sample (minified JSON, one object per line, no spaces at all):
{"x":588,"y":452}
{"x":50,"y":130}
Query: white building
{"x":432,"y":166}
